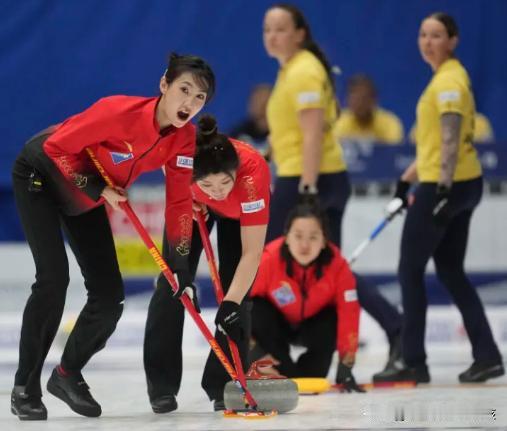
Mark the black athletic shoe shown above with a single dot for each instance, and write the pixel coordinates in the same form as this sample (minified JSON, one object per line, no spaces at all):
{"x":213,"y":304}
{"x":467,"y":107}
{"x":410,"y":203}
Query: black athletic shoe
{"x":400,"y":373}
{"x":218,"y":405}
{"x":164,"y":404}
{"x":26,"y":407}
{"x":73,"y":390}
{"x":481,"y":371}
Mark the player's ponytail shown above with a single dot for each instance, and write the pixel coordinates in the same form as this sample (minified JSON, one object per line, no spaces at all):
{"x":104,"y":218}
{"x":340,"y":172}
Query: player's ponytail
{"x":215,"y":153}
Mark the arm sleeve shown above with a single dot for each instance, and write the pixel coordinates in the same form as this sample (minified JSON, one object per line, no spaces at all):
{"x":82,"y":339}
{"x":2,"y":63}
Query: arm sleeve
{"x":82,"y":130}
{"x":347,"y":308}
{"x":450,"y":96}
{"x":307,"y":90}
{"x":254,"y":196}
{"x":178,"y":209}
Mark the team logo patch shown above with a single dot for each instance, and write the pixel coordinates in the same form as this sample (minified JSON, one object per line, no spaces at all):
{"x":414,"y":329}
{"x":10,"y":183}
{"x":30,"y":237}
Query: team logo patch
{"x":121,"y":157}
{"x":185,"y":162}
{"x":284,"y":295}
{"x":350,"y":295}
{"x":308,"y":97}
{"x":253,"y":207}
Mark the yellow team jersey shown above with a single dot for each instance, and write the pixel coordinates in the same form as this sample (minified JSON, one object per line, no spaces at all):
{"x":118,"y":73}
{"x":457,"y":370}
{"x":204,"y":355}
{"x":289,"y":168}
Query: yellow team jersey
{"x":302,"y":83}
{"x":449,"y":91}
{"x":386,"y":128}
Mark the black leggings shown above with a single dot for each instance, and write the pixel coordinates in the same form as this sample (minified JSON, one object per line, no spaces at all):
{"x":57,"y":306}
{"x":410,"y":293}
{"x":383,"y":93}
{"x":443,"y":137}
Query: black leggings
{"x":423,"y":239}
{"x":275,"y":335}
{"x":164,"y":326}
{"x":91,"y":240}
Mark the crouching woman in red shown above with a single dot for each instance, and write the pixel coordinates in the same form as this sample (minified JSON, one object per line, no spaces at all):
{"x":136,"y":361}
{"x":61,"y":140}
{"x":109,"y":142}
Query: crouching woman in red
{"x":305,"y":294}
{"x":231,"y":180}
{"x":57,"y":186}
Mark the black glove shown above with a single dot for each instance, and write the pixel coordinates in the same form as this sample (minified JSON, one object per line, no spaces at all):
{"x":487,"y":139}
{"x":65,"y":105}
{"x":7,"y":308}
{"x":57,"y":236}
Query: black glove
{"x":441,"y":211}
{"x":185,"y":285}
{"x":307,"y":194}
{"x":402,"y":188}
{"x":228,"y":320}
{"x":346,"y":379}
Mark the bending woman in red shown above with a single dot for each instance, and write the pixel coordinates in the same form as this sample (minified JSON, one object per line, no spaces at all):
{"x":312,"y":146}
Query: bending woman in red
{"x":231,"y":181}
{"x":57,"y":186}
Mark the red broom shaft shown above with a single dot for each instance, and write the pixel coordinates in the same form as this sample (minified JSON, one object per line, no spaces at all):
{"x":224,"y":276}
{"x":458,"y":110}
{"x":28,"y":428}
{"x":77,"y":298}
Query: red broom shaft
{"x":159,"y":260}
{"x":219,"y":291}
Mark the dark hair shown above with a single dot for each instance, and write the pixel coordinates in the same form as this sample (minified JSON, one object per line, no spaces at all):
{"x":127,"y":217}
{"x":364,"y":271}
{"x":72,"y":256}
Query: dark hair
{"x":309,"y":207}
{"x":200,"y":70}
{"x":215,"y":153}
{"x":308,"y":43}
{"x":448,"y":22}
{"x":361,"y":80}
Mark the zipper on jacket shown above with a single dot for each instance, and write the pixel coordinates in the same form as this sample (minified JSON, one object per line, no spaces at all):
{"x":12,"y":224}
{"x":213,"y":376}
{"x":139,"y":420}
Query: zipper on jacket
{"x":303,"y":294}
{"x":139,"y":158}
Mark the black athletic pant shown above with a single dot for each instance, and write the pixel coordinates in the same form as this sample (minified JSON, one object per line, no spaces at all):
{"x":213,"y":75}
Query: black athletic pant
{"x":275,"y":335}
{"x":164,"y":326}
{"x":423,"y":239}
{"x":91,"y":240}
{"x":334,"y":192}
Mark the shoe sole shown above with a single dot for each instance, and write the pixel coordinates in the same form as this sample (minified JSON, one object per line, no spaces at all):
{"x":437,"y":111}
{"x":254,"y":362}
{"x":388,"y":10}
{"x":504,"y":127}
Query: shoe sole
{"x":59,"y":393}
{"x":163,"y":410}
{"x":23,"y":417}
{"x":482,"y":377}
{"x":159,"y":410}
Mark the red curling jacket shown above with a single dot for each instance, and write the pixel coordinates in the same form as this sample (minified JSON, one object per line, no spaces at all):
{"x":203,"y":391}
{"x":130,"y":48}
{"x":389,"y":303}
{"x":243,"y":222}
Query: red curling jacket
{"x":302,"y":295}
{"x":124,"y":135}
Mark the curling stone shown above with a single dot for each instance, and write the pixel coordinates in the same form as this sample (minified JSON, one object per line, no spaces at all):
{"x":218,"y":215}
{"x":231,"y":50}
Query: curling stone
{"x":271,"y":392}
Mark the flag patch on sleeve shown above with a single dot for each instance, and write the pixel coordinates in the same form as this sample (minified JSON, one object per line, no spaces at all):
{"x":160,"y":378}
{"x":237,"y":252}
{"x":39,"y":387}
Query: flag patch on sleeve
{"x":120,"y":157}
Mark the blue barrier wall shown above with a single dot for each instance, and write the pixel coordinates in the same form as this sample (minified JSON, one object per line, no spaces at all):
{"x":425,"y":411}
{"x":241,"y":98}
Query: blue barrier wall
{"x":57,"y":57}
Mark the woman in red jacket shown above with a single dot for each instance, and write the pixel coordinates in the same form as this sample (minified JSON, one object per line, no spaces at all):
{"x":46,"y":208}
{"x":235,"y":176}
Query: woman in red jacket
{"x":231,"y":184}
{"x":57,"y":186}
{"x":305,"y":294}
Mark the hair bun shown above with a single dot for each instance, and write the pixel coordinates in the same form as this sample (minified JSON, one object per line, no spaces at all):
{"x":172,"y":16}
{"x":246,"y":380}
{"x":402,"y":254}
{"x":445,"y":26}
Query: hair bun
{"x":207,"y":125}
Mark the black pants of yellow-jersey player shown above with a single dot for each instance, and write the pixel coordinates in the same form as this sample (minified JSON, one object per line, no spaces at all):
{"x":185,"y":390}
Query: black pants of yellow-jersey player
{"x":423,"y":239}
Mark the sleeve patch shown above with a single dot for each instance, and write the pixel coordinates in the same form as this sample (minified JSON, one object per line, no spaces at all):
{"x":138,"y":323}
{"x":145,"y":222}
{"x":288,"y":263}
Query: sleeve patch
{"x":449,"y":96}
{"x":309,"y":97}
{"x":350,"y":295}
{"x":253,"y":207}
{"x":185,"y":162}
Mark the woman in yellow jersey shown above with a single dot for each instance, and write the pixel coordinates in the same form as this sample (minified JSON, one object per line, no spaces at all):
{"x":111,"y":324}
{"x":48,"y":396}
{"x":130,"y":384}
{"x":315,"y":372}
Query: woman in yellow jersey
{"x":301,"y":112}
{"x":438,"y":220}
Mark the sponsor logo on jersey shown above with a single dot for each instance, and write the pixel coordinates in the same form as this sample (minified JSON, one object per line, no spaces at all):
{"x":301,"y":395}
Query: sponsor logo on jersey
{"x":185,"y":162}
{"x":308,"y":97}
{"x":350,"y":295}
{"x":284,"y":295}
{"x":253,"y":207}
{"x":449,"y":96}
{"x":120,"y":157}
